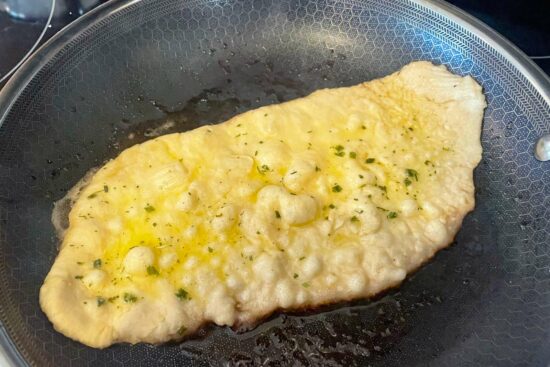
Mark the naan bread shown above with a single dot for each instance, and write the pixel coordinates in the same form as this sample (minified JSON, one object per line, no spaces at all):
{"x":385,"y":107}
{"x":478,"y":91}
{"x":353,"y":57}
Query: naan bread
{"x":330,"y":197}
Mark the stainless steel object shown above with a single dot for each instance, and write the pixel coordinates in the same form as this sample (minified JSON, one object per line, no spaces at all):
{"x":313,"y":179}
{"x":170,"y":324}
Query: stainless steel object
{"x":36,"y":11}
{"x":542,"y":149}
{"x":126,"y":66}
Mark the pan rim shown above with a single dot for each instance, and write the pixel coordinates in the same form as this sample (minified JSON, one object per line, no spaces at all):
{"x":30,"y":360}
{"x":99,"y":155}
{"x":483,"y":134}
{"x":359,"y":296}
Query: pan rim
{"x":20,"y":79}
{"x":16,"y":84}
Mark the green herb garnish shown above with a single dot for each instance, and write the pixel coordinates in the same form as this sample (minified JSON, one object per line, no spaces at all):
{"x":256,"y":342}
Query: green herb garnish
{"x":336,"y":188}
{"x":129,"y":298}
{"x":182,"y":294}
{"x":392,"y":215}
{"x":305,"y":285}
{"x":151,"y":270}
{"x":100,"y":301}
{"x":149,"y":208}
{"x":354,"y":219}
{"x":277,"y":214}
{"x":263,"y":169}
{"x":339,"y":150}
{"x":97,"y":263}
{"x":183,"y":329}
{"x":369,"y":160}
{"x":78,"y":277}
{"x":94,"y":194}
{"x":352,"y":155}
{"x":412,"y":173}
{"x":295,"y":276}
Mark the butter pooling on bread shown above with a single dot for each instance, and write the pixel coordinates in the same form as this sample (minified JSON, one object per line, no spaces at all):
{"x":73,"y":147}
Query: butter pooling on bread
{"x":330,"y":197}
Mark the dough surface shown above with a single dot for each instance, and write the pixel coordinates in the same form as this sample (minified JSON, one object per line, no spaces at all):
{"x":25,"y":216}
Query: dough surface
{"x":330,"y":197}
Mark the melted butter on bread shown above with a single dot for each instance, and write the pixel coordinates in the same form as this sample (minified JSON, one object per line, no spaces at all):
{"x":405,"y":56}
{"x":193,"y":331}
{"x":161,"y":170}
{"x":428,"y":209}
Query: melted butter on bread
{"x":330,"y":197}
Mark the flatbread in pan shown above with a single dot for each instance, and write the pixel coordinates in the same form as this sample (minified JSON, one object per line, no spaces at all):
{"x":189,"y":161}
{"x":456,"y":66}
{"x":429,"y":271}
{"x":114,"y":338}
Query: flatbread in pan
{"x":330,"y":197}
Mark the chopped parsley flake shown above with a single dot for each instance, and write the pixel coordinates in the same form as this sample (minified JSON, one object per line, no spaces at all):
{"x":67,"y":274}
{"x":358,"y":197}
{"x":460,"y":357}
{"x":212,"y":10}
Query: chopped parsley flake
{"x":407,"y":181}
{"x":105,"y":188}
{"x":392,"y":215}
{"x":183,"y":329}
{"x":354,"y":219}
{"x":210,"y":249}
{"x":263,"y":169}
{"x":295,"y":276}
{"x":317,"y":169}
{"x":182,"y":294}
{"x":369,"y":160}
{"x":336,"y":188}
{"x":100,"y":301}
{"x":149,"y":208}
{"x":412,"y":173}
{"x":94,"y":194}
{"x":305,"y":285}
{"x":302,"y":258}
{"x":352,"y":155}
{"x":339,"y":150}
{"x":97,"y":263}
{"x":151,"y":270}
{"x":332,"y":206}
{"x":78,"y":277}
{"x":129,"y":298}
{"x":277,"y":214}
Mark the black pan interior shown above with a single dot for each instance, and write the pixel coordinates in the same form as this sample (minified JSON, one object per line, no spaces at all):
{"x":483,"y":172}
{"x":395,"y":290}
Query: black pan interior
{"x":483,"y":301}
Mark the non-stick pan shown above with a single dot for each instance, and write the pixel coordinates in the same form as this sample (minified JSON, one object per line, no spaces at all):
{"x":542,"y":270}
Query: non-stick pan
{"x":112,"y":78}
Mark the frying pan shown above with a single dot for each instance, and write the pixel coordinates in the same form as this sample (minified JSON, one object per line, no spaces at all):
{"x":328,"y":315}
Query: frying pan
{"x":109,"y":80}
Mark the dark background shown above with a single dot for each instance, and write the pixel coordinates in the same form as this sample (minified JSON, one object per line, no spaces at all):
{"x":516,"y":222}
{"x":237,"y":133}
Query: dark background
{"x":525,"y":23}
